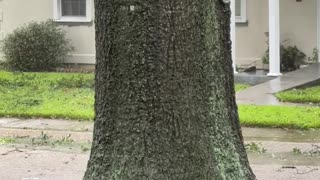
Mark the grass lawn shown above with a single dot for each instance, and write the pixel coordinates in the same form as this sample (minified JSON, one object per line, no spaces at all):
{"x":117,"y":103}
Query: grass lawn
{"x":239,"y":87}
{"x":71,"y":96}
{"x":47,"y":95}
{"x":280,"y":116}
{"x":308,"y":95}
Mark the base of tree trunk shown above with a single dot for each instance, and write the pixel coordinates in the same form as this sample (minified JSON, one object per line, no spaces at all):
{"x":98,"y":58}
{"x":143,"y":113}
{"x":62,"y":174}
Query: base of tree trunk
{"x":165,"y":101}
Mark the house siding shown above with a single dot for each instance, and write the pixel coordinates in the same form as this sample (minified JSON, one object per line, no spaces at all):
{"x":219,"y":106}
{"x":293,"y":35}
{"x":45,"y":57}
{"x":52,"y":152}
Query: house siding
{"x":298,"y":26}
{"x":19,"y":12}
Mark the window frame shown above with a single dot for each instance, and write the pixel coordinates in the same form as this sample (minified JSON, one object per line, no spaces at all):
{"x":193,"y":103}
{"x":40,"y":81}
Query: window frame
{"x":243,"y":12}
{"x":57,"y":15}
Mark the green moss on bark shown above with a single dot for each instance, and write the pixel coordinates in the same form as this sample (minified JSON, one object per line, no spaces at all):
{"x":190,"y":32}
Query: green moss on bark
{"x":165,"y":102}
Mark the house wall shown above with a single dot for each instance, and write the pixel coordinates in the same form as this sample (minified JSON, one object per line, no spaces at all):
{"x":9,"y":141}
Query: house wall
{"x":298,"y":26}
{"x":18,"y":12}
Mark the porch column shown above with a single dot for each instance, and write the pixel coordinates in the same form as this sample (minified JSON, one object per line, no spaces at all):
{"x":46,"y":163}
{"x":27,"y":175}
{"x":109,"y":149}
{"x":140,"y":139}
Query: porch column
{"x":318,"y":29}
{"x":233,"y":34}
{"x":274,"y":38}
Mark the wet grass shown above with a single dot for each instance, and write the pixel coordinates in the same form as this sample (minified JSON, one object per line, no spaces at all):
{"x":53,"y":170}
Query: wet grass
{"x":6,"y":140}
{"x":71,"y":96}
{"x":307,"y":95}
{"x":47,"y":95}
{"x":240,"y":87}
{"x":280,"y":116}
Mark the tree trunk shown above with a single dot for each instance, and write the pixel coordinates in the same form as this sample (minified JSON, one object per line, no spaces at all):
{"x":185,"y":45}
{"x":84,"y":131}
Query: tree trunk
{"x":165,"y":100}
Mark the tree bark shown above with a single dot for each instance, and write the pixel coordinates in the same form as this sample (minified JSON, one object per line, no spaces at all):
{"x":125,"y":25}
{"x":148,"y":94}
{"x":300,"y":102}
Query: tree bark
{"x":165,"y":100}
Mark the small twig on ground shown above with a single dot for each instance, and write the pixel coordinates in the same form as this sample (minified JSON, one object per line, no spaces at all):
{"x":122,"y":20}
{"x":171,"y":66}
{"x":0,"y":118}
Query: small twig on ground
{"x":8,"y":152}
{"x":288,"y":167}
{"x":306,"y":172}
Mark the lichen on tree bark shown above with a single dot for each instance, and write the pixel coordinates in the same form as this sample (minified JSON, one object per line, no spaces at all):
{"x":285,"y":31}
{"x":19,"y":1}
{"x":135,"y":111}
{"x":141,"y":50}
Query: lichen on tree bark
{"x":165,"y":100}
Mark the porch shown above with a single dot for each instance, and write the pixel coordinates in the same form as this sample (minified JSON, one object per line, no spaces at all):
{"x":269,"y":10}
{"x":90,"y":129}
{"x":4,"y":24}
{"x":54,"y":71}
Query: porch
{"x":273,"y":24}
{"x":263,"y":94}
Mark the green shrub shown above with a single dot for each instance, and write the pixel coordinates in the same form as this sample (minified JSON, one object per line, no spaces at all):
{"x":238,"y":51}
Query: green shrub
{"x":290,"y":56}
{"x":36,"y":47}
{"x":314,"y":57}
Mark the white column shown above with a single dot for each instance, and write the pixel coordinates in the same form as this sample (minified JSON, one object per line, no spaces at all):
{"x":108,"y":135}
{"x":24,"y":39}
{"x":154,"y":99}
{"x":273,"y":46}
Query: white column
{"x":318,"y":29}
{"x":233,"y":34}
{"x":274,"y":38}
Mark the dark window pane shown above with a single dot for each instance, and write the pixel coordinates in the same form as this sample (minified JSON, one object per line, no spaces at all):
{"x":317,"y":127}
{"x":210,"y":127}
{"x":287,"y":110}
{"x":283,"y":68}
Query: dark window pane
{"x":73,"y":7}
{"x":238,"y":7}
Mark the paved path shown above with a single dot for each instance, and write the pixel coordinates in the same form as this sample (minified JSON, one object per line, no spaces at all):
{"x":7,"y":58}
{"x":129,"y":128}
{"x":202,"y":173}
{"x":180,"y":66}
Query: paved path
{"x":262,"y":94}
{"x":82,"y":130}
{"x":33,"y":164}
{"x":26,"y":161}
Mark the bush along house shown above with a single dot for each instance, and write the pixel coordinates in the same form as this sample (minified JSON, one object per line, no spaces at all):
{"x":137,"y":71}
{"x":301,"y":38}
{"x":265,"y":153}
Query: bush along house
{"x":263,"y":32}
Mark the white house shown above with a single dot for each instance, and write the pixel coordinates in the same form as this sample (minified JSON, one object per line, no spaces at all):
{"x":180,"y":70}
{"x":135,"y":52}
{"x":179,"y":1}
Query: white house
{"x":297,"y":21}
{"x":75,"y":16}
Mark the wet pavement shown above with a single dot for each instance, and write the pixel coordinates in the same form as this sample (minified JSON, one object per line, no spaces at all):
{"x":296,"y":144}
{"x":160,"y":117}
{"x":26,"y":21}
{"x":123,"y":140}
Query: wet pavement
{"x":286,"y":154}
{"x":262,"y":94}
{"x":46,"y":124}
{"x":35,"y":164}
{"x":281,"y":135}
{"x":10,"y":126}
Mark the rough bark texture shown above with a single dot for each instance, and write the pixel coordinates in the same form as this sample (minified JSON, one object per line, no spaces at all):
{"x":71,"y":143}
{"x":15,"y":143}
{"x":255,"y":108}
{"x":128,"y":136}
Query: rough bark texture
{"x":165,"y":100}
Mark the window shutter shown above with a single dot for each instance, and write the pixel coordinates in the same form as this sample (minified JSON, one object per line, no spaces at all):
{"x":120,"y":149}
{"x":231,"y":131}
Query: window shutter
{"x":73,"y":7}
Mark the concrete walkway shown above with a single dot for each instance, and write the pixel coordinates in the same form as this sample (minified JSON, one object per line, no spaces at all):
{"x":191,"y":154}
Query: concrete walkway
{"x":34,"y":164}
{"x":68,"y":161}
{"x":263,"y":94}
{"x":82,"y":131}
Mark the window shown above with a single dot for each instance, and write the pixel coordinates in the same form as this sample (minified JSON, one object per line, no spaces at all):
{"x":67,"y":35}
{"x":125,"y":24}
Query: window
{"x":241,"y":14}
{"x":72,"y":10}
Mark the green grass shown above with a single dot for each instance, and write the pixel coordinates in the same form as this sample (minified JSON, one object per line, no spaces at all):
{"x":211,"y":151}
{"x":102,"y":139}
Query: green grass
{"x":6,"y":140}
{"x":239,"y":87}
{"x":308,"y":95}
{"x":47,"y":95}
{"x":280,"y":116}
{"x":71,"y":96}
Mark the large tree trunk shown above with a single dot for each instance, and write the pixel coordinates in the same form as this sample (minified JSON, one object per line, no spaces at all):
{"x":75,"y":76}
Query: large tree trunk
{"x":165,"y":100}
